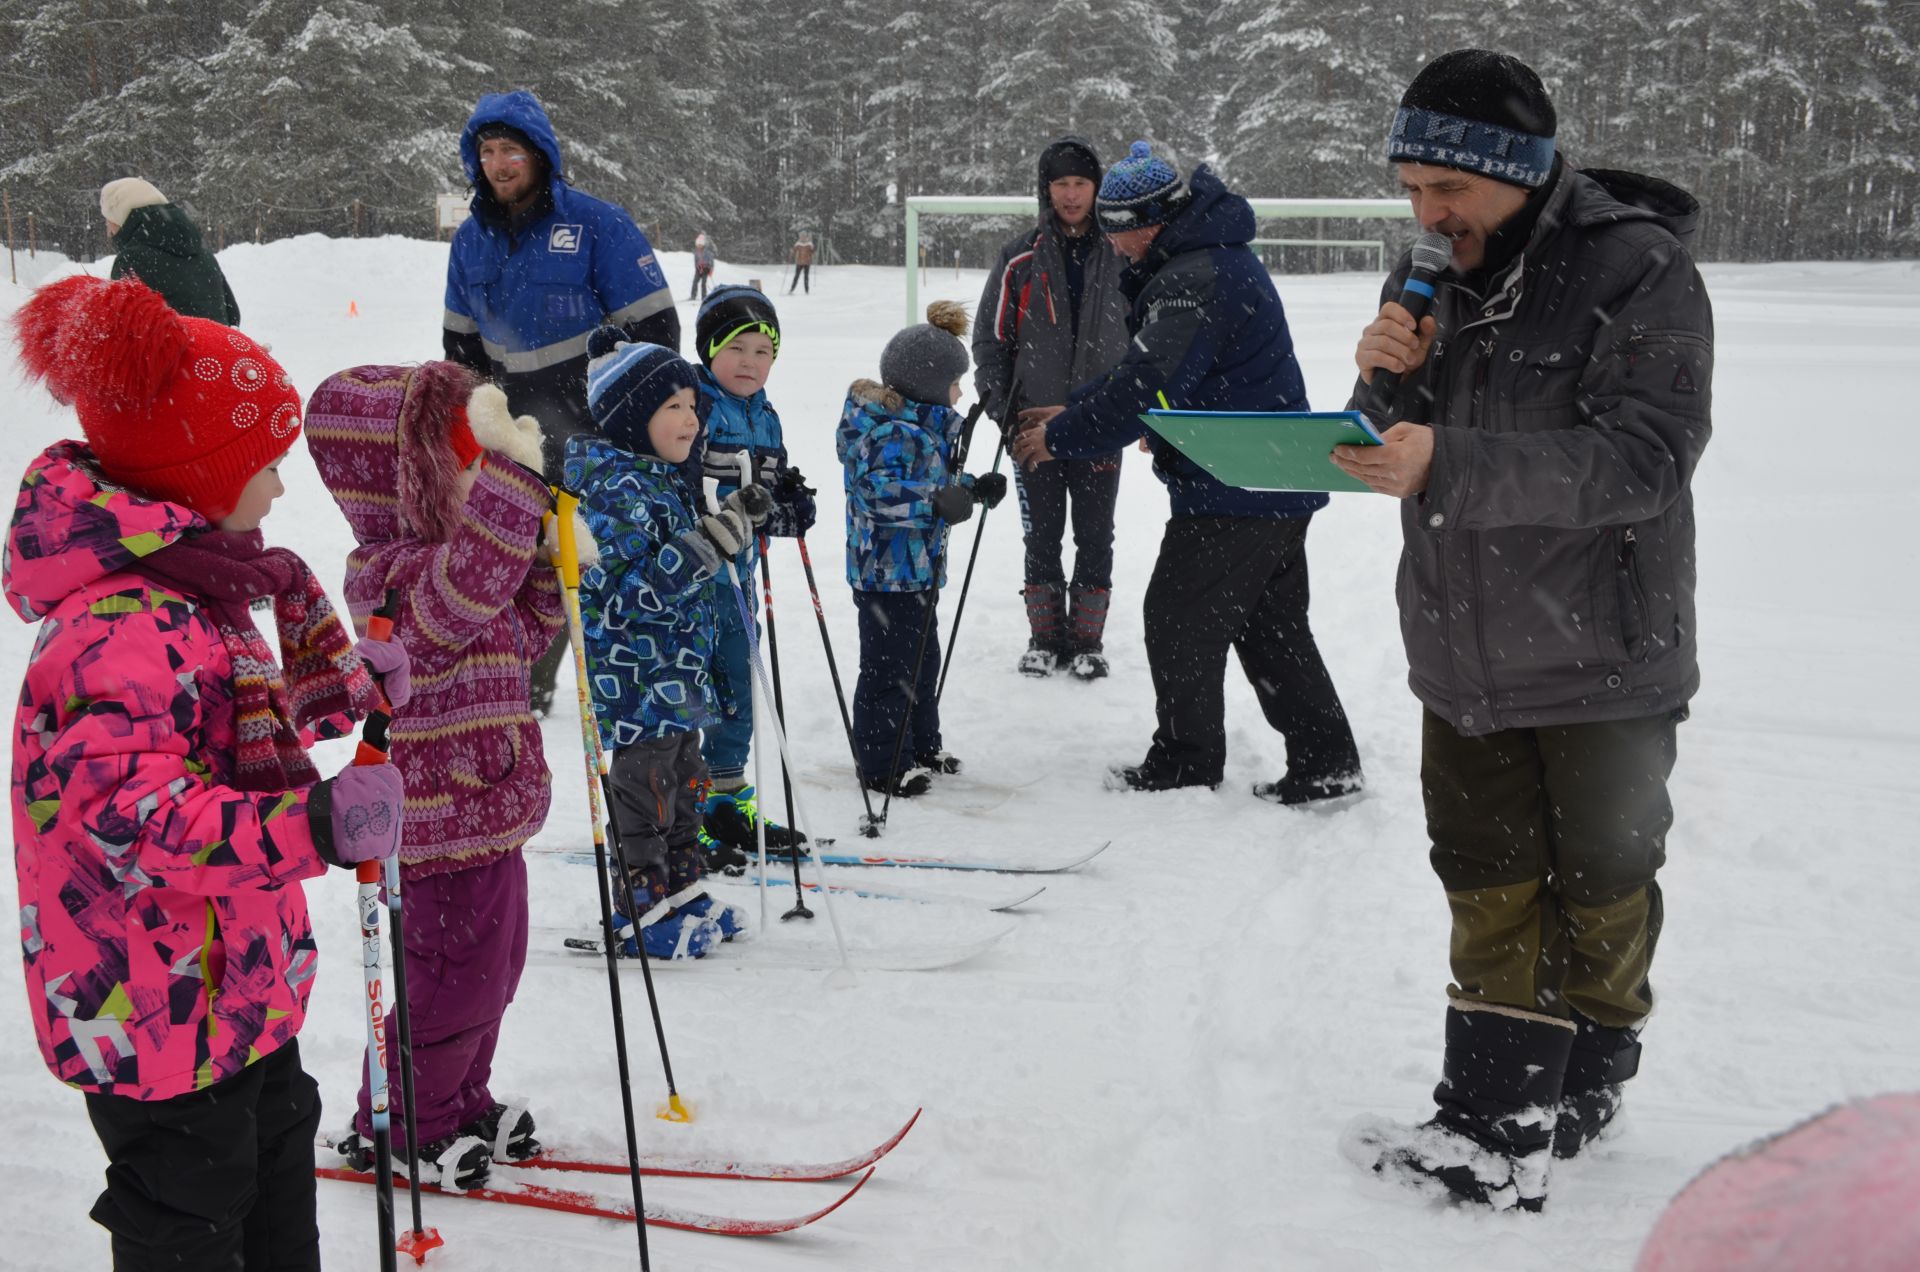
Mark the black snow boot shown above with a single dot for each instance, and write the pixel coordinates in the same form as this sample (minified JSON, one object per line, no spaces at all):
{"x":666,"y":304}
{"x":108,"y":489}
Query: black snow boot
{"x":1601,"y":1060}
{"x":1047,"y":620}
{"x":1086,"y":632}
{"x":1491,"y":1142}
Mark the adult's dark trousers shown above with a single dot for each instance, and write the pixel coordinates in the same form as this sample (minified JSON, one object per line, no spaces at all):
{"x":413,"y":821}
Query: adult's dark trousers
{"x":1090,"y":488}
{"x":1237,"y":583}
{"x":890,"y":626}
{"x":701,"y":277}
{"x":802,"y":274}
{"x":1547,"y":841}
{"x":219,"y":1180}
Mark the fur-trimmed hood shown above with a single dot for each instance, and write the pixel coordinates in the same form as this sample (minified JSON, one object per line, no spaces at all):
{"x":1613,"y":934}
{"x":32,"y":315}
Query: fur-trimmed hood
{"x":382,"y":439}
{"x":873,"y":393}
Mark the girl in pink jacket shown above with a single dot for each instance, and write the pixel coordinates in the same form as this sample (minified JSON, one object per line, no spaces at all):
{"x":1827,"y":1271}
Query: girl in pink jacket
{"x":443,"y":490}
{"x":165,"y":810}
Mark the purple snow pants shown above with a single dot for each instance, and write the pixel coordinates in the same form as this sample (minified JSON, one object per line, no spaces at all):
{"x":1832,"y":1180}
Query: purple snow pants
{"x":466,"y":945}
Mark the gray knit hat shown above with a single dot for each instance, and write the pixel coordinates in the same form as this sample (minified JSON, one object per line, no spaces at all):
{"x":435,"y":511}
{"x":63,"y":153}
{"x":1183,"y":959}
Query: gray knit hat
{"x":922,"y":362}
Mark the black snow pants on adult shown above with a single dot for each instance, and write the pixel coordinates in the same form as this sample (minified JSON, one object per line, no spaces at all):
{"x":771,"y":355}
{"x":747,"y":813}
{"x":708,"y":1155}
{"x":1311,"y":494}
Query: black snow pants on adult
{"x":219,"y":1180}
{"x":1237,"y":583}
{"x":1547,"y":841}
{"x":1093,"y":487}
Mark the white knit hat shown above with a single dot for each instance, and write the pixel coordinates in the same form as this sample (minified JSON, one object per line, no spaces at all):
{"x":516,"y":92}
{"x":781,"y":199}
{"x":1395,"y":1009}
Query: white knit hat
{"x":118,"y":198}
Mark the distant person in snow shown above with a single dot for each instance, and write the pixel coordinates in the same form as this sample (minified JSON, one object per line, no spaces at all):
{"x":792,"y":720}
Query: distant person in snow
{"x":703,"y":263}
{"x":1544,"y":435}
{"x":1051,"y":319}
{"x":158,"y":243}
{"x":802,"y":257}
{"x":1209,"y":334}
{"x":532,"y":272}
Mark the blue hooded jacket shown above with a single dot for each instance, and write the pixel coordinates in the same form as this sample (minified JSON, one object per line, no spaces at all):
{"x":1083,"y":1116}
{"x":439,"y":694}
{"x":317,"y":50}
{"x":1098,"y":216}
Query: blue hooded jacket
{"x":531,"y":289}
{"x":1209,"y":334}
{"x":897,"y":455}
{"x":649,"y":608}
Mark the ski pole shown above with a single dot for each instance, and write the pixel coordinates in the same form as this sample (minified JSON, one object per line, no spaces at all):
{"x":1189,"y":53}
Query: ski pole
{"x":800,"y":910}
{"x":568,"y":568}
{"x":373,"y":750}
{"x":979,"y":533}
{"x":779,"y":732}
{"x":960,"y":606}
{"x":833,"y":669}
{"x":958,"y":465}
{"x":420,"y":1239}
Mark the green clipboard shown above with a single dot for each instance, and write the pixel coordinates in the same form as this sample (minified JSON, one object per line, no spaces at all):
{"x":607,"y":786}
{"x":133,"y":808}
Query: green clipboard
{"x":1268,"y":450}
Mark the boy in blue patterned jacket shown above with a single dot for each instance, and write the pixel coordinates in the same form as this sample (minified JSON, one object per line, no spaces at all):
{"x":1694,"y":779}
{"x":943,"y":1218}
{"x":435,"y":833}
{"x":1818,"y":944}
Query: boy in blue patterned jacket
{"x":648,"y":611}
{"x":737,"y":335}
{"x":896,"y":441}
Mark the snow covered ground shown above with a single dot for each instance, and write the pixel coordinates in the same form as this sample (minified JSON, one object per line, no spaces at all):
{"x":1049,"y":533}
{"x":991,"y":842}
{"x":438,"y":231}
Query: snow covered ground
{"x":1152,"y":1070}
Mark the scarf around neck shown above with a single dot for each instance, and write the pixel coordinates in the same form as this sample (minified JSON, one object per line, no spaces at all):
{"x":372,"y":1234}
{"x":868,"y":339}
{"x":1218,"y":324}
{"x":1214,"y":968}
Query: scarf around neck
{"x":228,"y":571}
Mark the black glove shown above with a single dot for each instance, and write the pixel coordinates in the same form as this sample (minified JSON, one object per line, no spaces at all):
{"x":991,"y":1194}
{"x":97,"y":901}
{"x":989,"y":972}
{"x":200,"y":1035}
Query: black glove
{"x":953,"y":503}
{"x":989,"y":489}
{"x":790,"y":483}
{"x":751,"y":502}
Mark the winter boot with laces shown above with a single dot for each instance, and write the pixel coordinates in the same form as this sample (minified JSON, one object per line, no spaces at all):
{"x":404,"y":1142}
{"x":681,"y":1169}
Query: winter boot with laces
{"x":1491,"y":1142}
{"x":1086,"y":632}
{"x":1602,"y":1059}
{"x":1046,"y":618}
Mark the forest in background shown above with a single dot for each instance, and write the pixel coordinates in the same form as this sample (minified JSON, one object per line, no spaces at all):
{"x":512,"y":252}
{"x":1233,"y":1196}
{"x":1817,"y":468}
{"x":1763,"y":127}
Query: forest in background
{"x":1793,"y":121}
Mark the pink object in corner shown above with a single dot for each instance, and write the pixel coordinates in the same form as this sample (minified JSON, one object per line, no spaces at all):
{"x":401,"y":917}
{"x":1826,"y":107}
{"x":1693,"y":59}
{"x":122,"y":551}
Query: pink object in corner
{"x":1840,"y":1193}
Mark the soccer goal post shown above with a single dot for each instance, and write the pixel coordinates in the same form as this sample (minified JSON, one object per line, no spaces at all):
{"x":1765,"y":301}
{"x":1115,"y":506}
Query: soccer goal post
{"x":919,"y":205}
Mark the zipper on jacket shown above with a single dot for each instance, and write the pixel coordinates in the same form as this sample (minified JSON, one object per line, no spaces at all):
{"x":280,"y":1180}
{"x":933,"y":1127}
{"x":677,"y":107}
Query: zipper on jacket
{"x":1480,"y":380}
{"x":1636,"y":644}
{"x":1046,"y":286}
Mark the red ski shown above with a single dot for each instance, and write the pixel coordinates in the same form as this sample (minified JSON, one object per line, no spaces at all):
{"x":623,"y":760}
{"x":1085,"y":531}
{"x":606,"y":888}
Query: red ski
{"x":573,"y":1202}
{"x":724,"y":1167}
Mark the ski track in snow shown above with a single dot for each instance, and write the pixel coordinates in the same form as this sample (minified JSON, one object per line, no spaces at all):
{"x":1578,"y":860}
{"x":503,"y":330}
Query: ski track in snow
{"x":1153,"y":1069}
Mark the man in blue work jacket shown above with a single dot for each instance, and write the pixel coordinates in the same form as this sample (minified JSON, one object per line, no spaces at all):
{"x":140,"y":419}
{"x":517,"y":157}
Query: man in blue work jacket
{"x":533,"y":271}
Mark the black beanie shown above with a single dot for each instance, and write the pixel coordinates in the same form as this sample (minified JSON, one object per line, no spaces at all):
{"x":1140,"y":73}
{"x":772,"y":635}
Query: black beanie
{"x":1068,"y":157}
{"x":730,"y":311}
{"x":1480,"y":112}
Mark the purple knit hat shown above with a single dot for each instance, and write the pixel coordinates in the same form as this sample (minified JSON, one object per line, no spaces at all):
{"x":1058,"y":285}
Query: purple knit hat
{"x":380,"y":437}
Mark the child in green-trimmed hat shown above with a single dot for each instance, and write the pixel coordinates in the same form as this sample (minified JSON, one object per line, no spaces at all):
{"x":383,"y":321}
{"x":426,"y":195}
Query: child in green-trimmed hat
{"x":737,"y":335}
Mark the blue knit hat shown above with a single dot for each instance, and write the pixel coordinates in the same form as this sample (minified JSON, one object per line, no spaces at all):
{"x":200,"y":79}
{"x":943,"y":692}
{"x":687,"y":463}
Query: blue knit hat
{"x":1140,"y":191}
{"x":627,"y":382}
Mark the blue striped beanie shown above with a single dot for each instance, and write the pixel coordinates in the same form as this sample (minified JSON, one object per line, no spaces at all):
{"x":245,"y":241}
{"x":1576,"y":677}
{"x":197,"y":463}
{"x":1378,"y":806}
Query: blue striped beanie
{"x":627,"y":382}
{"x":1139,"y":191}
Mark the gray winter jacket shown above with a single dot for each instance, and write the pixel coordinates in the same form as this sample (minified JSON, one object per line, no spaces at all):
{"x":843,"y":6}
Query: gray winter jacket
{"x":1023,"y":318}
{"x":1548,"y":571}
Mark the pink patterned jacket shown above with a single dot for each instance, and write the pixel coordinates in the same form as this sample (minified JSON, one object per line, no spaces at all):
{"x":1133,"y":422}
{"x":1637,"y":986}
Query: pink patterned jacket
{"x":163,"y":925}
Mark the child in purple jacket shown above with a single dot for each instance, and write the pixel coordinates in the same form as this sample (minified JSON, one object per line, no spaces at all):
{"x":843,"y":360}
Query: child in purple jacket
{"x":442,"y":488}
{"x":165,"y":810}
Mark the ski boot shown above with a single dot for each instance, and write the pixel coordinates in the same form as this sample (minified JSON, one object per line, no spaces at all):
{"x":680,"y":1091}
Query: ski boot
{"x":457,"y":1162}
{"x":508,"y":1131}
{"x":730,"y":816}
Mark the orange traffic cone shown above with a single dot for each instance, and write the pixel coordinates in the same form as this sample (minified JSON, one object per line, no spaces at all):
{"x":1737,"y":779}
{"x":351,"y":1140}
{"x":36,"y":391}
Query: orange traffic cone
{"x":353,"y":309}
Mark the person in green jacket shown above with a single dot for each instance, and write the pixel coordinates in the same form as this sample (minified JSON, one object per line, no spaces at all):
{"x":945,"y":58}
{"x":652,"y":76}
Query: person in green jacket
{"x":158,"y":243}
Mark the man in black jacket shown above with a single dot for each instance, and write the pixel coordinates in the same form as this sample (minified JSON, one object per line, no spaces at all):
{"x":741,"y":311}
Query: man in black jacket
{"x":1552,"y":409}
{"x":1051,"y":319}
{"x":1209,"y":334}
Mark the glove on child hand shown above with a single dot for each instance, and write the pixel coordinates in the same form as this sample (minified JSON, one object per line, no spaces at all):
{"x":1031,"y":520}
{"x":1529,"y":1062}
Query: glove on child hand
{"x":753,"y":502}
{"x":729,"y":529}
{"x":356,"y":816}
{"x":387,"y":660}
{"x":583,"y":545}
{"x":953,"y":503}
{"x":496,"y":428}
{"x":989,"y":489}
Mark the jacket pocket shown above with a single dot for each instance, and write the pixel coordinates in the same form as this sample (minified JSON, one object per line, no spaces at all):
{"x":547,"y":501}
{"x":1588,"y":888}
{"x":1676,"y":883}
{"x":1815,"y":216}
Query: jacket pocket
{"x":1536,"y":385}
{"x":1631,"y":592}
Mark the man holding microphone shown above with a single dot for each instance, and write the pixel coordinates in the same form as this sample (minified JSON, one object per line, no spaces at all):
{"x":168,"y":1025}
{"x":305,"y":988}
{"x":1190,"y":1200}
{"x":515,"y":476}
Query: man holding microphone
{"x":1549,"y":413}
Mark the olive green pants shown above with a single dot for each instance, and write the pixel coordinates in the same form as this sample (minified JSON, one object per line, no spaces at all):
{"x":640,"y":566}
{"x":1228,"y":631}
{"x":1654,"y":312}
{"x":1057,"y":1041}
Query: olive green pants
{"x":1547,"y":842}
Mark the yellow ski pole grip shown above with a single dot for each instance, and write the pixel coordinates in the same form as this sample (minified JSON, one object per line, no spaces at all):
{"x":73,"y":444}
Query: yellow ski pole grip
{"x":566,"y":505}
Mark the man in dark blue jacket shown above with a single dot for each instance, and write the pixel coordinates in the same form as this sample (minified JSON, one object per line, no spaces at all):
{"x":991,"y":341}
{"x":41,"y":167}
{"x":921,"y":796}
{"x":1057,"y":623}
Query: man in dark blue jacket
{"x":1209,"y":334}
{"x":538,"y":266}
{"x":533,"y":271}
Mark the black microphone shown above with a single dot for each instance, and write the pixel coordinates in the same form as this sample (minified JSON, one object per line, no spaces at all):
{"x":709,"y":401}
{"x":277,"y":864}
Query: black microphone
{"x":1432,"y":253}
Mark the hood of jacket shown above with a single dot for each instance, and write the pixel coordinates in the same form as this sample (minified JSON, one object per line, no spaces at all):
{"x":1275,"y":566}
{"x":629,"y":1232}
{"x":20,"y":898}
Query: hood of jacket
{"x":518,"y":109}
{"x":1054,"y":147}
{"x":379,"y":436}
{"x":1600,"y":195}
{"x":870,"y":402}
{"x":72,"y":527}
{"x":164,"y":227}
